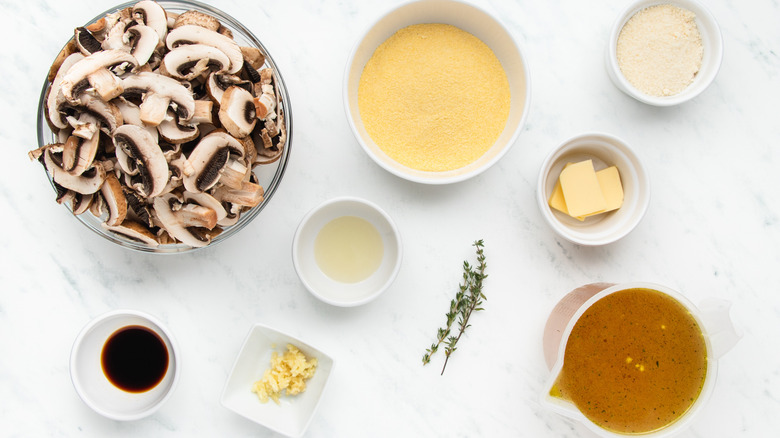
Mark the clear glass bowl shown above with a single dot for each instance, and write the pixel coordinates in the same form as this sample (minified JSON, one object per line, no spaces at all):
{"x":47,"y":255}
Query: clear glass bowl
{"x":268,"y":175}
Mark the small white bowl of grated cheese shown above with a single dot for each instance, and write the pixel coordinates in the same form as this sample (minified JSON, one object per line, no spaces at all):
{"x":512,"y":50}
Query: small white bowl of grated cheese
{"x":664,"y":53}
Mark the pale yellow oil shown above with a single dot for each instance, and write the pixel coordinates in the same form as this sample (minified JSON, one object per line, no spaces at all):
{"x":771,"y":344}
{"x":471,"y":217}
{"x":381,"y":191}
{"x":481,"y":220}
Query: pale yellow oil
{"x":348,"y":249}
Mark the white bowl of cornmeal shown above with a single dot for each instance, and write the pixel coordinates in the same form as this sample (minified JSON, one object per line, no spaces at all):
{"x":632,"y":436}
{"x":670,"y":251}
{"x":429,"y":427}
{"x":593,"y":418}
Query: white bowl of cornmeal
{"x":436,"y":91}
{"x":347,"y":251}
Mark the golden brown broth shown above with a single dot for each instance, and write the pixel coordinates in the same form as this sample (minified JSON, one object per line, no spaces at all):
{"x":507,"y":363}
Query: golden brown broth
{"x":635,"y":362}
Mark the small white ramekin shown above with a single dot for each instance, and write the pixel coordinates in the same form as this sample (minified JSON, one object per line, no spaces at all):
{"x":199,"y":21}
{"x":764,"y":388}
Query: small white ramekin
{"x":94,"y":388}
{"x":605,"y":150}
{"x":712,"y":43}
{"x":327,"y":289}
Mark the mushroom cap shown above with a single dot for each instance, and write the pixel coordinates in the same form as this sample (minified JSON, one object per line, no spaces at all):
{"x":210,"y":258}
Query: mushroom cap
{"x":140,"y":147}
{"x":148,"y":83}
{"x":237,"y":112}
{"x":192,"y":60}
{"x":193,"y":34}
{"x":197,"y":18}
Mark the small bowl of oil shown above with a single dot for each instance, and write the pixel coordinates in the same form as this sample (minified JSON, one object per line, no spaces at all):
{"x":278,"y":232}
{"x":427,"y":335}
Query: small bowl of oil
{"x":347,"y":251}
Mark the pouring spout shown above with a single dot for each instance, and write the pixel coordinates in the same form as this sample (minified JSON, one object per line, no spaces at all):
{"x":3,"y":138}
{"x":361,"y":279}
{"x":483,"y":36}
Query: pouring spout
{"x":721,"y":330}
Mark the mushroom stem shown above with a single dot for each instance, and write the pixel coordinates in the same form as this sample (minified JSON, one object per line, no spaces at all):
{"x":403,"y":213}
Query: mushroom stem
{"x":233,"y":174}
{"x":249,"y":195}
{"x":107,"y":85}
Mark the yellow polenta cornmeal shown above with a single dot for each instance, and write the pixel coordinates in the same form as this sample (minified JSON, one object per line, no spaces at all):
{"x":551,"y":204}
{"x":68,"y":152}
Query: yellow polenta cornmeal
{"x":434,"y":97}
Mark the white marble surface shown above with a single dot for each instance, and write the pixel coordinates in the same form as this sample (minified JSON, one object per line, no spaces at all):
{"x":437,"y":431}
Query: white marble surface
{"x":712,"y":230}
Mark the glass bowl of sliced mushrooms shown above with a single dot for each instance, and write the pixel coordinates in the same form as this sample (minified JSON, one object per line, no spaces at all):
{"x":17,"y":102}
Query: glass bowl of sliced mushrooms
{"x":164,"y":126}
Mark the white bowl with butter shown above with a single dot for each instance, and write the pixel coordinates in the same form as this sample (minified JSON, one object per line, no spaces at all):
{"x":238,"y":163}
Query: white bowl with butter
{"x":603,"y":151}
{"x":711,"y":44}
{"x":347,"y":251}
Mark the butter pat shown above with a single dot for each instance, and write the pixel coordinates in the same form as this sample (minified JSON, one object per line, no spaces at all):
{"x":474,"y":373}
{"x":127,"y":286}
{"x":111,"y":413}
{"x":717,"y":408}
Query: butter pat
{"x":556,"y":199}
{"x":609,"y":184}
{"x":611,"y":188}
{"x":581,"y":189}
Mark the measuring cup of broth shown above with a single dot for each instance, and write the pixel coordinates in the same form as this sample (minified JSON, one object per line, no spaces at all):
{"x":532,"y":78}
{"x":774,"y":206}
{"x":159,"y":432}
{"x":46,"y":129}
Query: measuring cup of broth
{"x":124,"y":364}
{"x":633,"y":358}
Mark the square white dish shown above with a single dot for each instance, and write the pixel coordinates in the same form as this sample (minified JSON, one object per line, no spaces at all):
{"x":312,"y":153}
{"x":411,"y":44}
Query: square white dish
{"x":293,"y":414}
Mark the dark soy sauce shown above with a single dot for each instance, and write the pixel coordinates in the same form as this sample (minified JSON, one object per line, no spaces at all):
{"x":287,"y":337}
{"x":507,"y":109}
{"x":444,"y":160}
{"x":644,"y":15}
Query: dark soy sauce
{"x":134,"y":359}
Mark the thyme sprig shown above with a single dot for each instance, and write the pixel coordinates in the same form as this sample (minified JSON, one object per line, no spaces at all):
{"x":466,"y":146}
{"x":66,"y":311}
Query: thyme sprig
{"x":467,"y":300}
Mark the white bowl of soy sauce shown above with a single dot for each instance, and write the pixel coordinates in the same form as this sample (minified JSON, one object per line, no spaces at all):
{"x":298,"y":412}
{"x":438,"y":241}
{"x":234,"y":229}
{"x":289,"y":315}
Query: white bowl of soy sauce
{"x":124,"y":364}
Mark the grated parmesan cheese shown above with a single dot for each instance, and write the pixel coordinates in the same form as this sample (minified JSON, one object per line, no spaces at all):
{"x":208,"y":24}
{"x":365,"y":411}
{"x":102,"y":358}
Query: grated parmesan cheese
{"x":659,"y":50}
{"x":288,"y":373}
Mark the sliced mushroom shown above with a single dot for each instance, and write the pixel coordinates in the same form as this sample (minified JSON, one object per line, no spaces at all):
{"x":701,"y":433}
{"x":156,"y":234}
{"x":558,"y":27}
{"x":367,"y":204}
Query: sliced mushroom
{"x":93,"y":69}
{"x":234,"y":173}
{"x":53,"y":115}
{"x":195,"y":215}
{"x":217,"y":83}
{"x":203,"y":112}
{"x":237,"y":112}
{"x":131,"y":114}
{"x":86,"y":149}
{"x":147,"y":157}
{"x":171,"y":131}
{"x":86,"y":183}
{"x":142,"y":41}
{"x":81,"y":203}
{"x":249,"y":195}
{"x":207,"y":161}
{"x":116,"y":204}
{"x":159,"y":92}
{"x":70,"y":150}
{"x":164,"y":209}
{"x":192,"y":60}
{"x":264,"y":105}
{"x":114,"y":38}
{"x":107,"y":113}
{"x":208,"y":201}
{"x":133,"y":231}
{"x":253,"y":57}
{"x":153,"y":15}
{"x":85,"y":41}
{"x":193,"y":34}
{"x":69,"y":49}
{"x":64,"y":195}
{"x":197,"y":18}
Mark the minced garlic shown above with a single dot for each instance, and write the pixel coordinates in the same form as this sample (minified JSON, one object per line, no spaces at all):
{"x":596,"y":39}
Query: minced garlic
{"x":288,"y":373}
{"x":434,"y":97}
{"x":659,"y":50}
